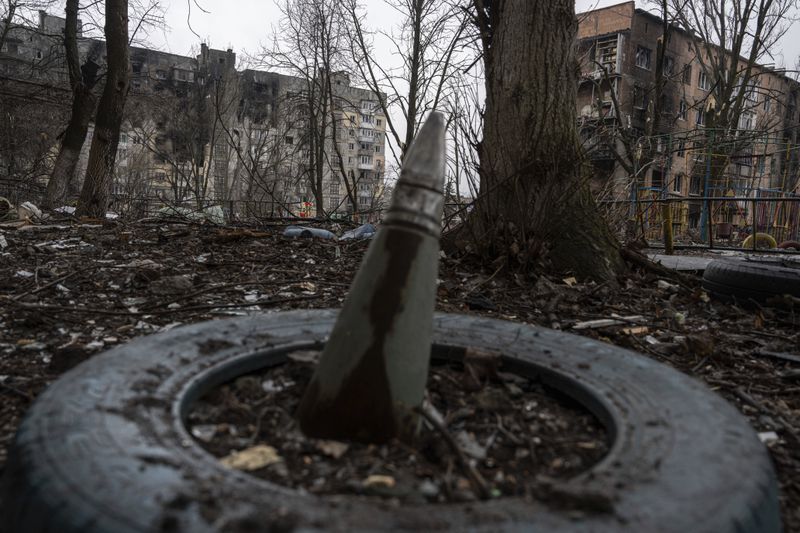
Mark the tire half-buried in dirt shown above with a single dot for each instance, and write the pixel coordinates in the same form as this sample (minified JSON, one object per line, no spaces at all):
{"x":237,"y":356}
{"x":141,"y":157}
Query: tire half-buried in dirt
{"x":105,"y":449}
{"x":757,"y":278}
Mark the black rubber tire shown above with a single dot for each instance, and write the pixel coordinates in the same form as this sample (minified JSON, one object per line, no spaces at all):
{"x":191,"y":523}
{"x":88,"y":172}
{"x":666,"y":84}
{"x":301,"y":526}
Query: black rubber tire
{"x":105,"y":450}
{"x":757,"y":278}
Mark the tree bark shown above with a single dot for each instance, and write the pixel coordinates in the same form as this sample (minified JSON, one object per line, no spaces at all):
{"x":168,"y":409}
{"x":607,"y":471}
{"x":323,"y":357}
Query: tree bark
{"x":83,"y":80}
{"x":96,"y":189}
{"x":534,"y":200}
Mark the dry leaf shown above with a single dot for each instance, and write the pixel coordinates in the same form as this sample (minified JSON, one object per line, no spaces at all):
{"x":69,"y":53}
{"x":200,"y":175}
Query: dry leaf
{"x":252,"y":458}
{"x":332,"y":448}
{"x":570,"y":281}
{"x":379,"y":481}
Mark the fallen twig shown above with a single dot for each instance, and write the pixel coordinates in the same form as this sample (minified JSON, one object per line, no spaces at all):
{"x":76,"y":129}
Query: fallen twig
{"x":474,"y":476}
{"x":606,"y":322}
{"x":643,"y":261}
{"x":43,"y":287}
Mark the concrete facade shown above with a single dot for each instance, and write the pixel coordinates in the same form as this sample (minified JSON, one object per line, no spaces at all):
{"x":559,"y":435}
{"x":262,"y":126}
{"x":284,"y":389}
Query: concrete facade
{"x":617,"y":48}
{"x":196,"y":129}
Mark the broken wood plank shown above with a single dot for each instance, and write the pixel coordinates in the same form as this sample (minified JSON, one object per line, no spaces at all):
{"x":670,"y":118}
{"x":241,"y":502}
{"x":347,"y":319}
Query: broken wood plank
{"x":606,"y":322}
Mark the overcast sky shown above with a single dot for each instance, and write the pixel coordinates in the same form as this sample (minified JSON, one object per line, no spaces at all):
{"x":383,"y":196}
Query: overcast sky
{"x":245,"y":24}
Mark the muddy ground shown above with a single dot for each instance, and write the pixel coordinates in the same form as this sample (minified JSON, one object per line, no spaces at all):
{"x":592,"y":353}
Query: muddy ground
{"x":69,"y":290}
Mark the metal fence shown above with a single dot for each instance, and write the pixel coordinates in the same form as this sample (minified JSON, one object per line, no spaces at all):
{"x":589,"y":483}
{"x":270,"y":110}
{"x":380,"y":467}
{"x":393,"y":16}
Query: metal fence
{"x":711,"y":221}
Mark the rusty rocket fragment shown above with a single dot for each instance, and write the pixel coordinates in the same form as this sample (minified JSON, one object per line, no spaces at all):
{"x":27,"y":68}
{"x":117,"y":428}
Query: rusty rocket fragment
{"x":374,"y":367}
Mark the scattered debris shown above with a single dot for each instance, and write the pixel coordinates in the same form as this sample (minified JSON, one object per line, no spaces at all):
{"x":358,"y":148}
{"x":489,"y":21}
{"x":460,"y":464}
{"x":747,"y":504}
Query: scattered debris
{"x":332,"y":448}
{"x":379,"y":481}
{"x":28,"y":211}
{"x":308,"y":232}
{"x":667,"y":286}
{"x":768,"y":437}
{"x":204,"y":432}
{"x":124,"y":261}
{"x":366,"y":231}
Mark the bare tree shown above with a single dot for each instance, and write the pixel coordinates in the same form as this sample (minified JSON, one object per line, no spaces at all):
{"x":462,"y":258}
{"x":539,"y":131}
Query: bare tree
{"x":426,"y":44}
{"x":83,"y":79}
{"x":731,"y":41}
{"x":96,"y":189}
{"x":15,"y":14}
{"x":310,"y":45}
{"x":263,"y":162}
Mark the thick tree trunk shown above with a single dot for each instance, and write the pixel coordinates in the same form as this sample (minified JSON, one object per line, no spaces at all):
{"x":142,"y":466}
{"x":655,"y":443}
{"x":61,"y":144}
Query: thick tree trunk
{"x":82,"y":81}
{"x":96,"y":190}
{"x":534,"y":198}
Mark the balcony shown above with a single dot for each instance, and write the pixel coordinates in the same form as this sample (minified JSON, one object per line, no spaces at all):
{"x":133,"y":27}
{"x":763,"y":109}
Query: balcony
{"x":366,"y":138}
{"x":365,"y":166}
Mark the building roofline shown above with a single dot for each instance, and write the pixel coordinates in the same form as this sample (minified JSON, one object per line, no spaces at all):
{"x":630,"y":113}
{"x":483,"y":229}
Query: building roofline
{"x":607,"y":7}
{"x":653,"y":17}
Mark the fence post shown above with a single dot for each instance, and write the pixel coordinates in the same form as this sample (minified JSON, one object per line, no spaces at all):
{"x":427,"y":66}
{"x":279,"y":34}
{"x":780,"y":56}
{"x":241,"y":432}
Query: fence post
{"x":705,"y":218}
{"x":666,"y":211}
{"x":710,"y":224}
{"x":755,"y":226}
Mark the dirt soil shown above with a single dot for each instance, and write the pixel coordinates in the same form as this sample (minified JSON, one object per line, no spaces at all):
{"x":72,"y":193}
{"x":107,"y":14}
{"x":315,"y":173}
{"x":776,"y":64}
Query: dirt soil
{"x":498,"y":435}
{"x":70,"y":290}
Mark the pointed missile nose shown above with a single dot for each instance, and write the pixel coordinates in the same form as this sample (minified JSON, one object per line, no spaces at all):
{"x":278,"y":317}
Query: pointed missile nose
{"x":425,"y":161}
{"x":418,"y":197}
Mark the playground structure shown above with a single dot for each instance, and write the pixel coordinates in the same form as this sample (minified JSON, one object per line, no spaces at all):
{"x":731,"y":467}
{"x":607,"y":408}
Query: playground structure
{"x":716,"y":192}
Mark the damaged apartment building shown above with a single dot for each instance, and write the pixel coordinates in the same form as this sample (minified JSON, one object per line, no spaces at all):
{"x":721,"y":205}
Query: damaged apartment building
{"x":618,"y":47}
{"x":198,"y":132}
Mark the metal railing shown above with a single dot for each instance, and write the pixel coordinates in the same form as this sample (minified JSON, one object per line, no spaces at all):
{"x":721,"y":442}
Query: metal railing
{"x":710,"y":221}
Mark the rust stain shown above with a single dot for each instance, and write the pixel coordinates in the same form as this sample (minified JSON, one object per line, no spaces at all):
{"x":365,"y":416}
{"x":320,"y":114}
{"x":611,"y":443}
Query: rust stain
{"x":364,"y":409}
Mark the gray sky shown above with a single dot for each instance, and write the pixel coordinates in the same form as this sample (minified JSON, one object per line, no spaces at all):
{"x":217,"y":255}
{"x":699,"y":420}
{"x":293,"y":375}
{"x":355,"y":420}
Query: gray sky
{"x":245,"y":24}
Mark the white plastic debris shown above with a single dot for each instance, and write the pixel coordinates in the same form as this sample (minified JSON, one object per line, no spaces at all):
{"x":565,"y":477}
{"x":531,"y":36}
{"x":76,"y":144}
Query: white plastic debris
{"x":667,"y":286}
{"x":27,"y":210}
{"x":3,"y":243}
{"x":768,"y":437}
{"x":66,"y":209}
{"x":204,"y":432}
{"x":23,"y":274}
{"x":251,"y":296}
{"x":651,"y":340}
